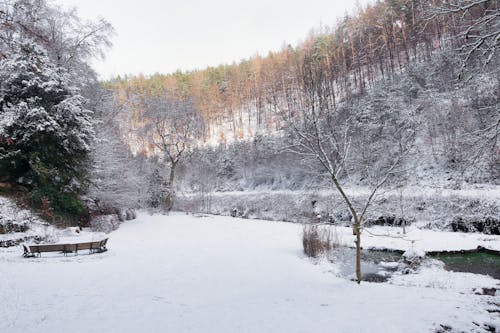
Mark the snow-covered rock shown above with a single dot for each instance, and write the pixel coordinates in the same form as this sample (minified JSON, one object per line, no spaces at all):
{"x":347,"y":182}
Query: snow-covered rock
{"x":413,"y":254}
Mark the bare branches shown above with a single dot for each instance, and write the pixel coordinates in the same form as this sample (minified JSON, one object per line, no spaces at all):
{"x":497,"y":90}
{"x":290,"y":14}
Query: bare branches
{"x":171,"y":125}
{"x":458,"y":7}
{"x":68,"y":41}
{"x":479,"y":24}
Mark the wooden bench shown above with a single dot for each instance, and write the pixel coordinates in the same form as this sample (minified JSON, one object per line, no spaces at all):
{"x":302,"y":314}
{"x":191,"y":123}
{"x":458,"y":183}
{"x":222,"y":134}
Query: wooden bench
{"x":37,"y":250}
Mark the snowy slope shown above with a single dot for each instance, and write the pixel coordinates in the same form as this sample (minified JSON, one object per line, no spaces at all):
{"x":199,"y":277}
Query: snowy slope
{"x":181,"y":273}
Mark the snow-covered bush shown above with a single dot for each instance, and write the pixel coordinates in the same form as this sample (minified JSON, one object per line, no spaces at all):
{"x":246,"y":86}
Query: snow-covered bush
{"x":411,"y":260}
{"x":45,"y":132}
{"x":105,"y":223}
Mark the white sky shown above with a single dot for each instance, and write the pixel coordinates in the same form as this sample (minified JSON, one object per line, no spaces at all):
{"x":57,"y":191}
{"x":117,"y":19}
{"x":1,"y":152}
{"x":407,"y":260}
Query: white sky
{"x":163,"y":36}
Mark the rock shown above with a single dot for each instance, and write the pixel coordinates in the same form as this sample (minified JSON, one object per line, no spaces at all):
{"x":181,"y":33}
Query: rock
{"x":234,"y":212}
{"x":130,"y":214}
{"x":391,"y":221}
{"x":11,"y":227}
{"x":120,"y":214}
{"x":444,"y":328}
{"x":489,"y":291}
{"x":17,"y":241}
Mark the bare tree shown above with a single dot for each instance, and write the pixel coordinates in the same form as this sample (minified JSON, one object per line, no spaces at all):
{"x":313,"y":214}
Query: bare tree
{"x":171,"y":126}
{"x":327,"y":133}
{"x":479,"y":24}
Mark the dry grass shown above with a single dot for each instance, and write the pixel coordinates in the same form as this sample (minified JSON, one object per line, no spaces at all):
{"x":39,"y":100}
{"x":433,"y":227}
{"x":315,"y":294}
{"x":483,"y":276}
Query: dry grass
{"x":318,"y":240}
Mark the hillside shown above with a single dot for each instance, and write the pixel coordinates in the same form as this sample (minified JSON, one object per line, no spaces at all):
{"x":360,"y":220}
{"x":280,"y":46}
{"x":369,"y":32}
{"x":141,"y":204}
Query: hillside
{"x":389,"y":83}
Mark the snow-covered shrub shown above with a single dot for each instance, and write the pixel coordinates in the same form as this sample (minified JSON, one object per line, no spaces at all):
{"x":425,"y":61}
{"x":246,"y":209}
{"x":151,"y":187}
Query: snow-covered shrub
{"x":105,"y":223}
{"x":411,"y":260}
{"x":413,"y":254}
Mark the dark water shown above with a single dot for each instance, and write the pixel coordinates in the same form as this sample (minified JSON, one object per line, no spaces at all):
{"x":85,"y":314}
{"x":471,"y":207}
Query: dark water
{"x":373,"y":263}
{"x":379,"y":256}
{"x":479,"y":263}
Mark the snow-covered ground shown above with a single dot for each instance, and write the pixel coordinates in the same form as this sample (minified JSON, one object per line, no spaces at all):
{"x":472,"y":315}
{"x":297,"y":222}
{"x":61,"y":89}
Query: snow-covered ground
{"x":392,"y":238}
{"x":182,"y":273}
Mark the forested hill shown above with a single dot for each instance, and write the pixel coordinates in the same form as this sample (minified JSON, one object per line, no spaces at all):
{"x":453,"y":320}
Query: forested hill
{"x":404,"y":91}
{"x":383,"y":39}
{"x":411,"y":75}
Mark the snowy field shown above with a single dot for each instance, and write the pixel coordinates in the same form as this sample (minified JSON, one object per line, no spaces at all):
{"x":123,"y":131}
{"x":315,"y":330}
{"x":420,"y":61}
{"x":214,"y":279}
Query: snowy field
{"x":182,"y":273}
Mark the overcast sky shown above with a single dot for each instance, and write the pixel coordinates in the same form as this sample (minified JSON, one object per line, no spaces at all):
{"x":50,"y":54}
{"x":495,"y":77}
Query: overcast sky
{"x":163,"y":36}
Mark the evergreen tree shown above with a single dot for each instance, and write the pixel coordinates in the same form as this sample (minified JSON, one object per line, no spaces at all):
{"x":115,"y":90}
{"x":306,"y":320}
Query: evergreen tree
{"x":45,"y":129}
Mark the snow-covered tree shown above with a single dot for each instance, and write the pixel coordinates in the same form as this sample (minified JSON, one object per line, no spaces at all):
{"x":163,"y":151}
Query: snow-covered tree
{"x":336,"y":135}
{"x":46,"y":120}
{"x":115,"y":178}
{"x":69,"y":41}
{"x":172,"y":127}
{"x":45,"y":129}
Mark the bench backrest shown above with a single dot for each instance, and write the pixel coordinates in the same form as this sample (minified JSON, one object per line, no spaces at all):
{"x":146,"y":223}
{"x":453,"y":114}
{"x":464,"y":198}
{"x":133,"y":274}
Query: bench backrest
{"x":85,"y":246}
{"x":46,"y":248}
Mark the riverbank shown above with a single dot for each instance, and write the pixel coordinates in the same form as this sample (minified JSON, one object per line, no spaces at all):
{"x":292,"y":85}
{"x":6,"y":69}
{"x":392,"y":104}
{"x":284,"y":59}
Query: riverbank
{"x":426,"y":206}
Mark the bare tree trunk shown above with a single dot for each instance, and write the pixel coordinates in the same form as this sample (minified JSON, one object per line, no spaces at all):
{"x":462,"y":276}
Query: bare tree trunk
{"x":358,"y":251}
{"x":172,"y":175}
{"x":169,"y":196}
{"x":356,"y":227}
{"x":401,"y":207}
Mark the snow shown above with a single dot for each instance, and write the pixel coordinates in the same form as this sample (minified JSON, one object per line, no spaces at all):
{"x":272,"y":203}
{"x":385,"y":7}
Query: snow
{"x":391,"y":238}
{"x":182,"y":273}
{"x":432,"y":275}
{"x":413,"y":253}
